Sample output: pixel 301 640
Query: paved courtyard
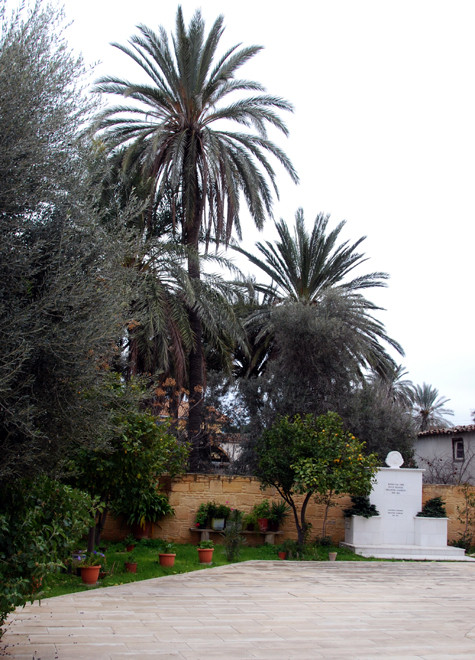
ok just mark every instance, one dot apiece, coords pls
pixel 271 609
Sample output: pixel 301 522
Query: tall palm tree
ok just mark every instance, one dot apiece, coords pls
pixel 428 407
pixel 176 132
pixel 313 269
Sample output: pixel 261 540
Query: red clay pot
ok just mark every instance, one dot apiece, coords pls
pixel 131 566
pixel 205 555
pixel 166 559
pixel 90 574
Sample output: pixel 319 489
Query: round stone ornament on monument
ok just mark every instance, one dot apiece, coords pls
pixel 394 459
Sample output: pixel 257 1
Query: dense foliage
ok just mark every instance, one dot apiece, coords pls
pixel 41 522
pixel 313 456
pixel 126 474
pixel 63 290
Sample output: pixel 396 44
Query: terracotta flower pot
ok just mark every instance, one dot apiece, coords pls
pixel 205 555
pixel 90 574
pixel 130 547
pixel 131 566
pixel 263 524
pixel 332 556
pixel 166 558
pixel 282 555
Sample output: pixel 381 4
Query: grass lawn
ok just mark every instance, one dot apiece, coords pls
pixel 186 560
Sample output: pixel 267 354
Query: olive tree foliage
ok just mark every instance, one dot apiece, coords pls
pixel 384 423
pixel 63 293
pixel 313 456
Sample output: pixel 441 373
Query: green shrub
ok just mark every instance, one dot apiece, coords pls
pixel 279 512
pixel 262 509
pixel 361 506
pixel 233 539
pixel 41 522
pixel 433 508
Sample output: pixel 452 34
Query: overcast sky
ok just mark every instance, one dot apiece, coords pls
pixel 383 136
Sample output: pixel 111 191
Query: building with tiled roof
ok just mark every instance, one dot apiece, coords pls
pixel 447 454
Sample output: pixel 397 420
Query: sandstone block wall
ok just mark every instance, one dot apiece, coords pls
pixel 188 491
pixel 453 498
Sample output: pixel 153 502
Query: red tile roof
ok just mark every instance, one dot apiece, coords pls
pixel 452 430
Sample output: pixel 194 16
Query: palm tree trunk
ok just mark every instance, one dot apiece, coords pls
pixel 196 367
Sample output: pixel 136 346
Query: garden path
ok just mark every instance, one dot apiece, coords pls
pixel 262 609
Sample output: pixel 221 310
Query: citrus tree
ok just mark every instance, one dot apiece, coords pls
pixel 313 456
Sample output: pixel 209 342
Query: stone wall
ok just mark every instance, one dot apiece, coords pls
pixel 453 498
pixel 188 491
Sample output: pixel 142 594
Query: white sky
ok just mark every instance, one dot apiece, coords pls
pixel 383 135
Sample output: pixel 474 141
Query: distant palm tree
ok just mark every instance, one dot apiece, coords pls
pixel 313 269
pixel 176 133
pixel 428 408
pixel 393 386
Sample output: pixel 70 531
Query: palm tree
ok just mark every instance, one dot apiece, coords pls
pixel 176 133
pixel 313 269
pixel 304 266
pixel 428 407
pixel 391 384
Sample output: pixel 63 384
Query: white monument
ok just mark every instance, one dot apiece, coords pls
pixel 397 532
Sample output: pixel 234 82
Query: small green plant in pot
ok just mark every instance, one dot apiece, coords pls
pixel 205 552
pixel 202 515
pixel 166 554
pixel 90 565
pixel 131 562
pixel 129 542
pixel 218 513
pixel 278 513
pixel 249 521
pixel 262 511
pixel 288 549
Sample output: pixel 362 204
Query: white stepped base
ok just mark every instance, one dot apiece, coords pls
pixel 414 552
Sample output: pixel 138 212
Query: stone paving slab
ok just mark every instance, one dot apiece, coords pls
pixel 259 610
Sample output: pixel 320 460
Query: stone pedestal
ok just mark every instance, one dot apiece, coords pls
pixel 397 532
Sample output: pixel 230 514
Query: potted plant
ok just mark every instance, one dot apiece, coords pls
pixel 249 521
pixel 287 549
pixel 90 565
pixel 202 515
pixel 131 562
pixel 142 509
pixel 262 512
pixel 218 514
pixel 129 542
pixel 205 552
pixel 166 556
pixel 278 513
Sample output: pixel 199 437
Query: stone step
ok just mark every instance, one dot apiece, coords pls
pixel 414 552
